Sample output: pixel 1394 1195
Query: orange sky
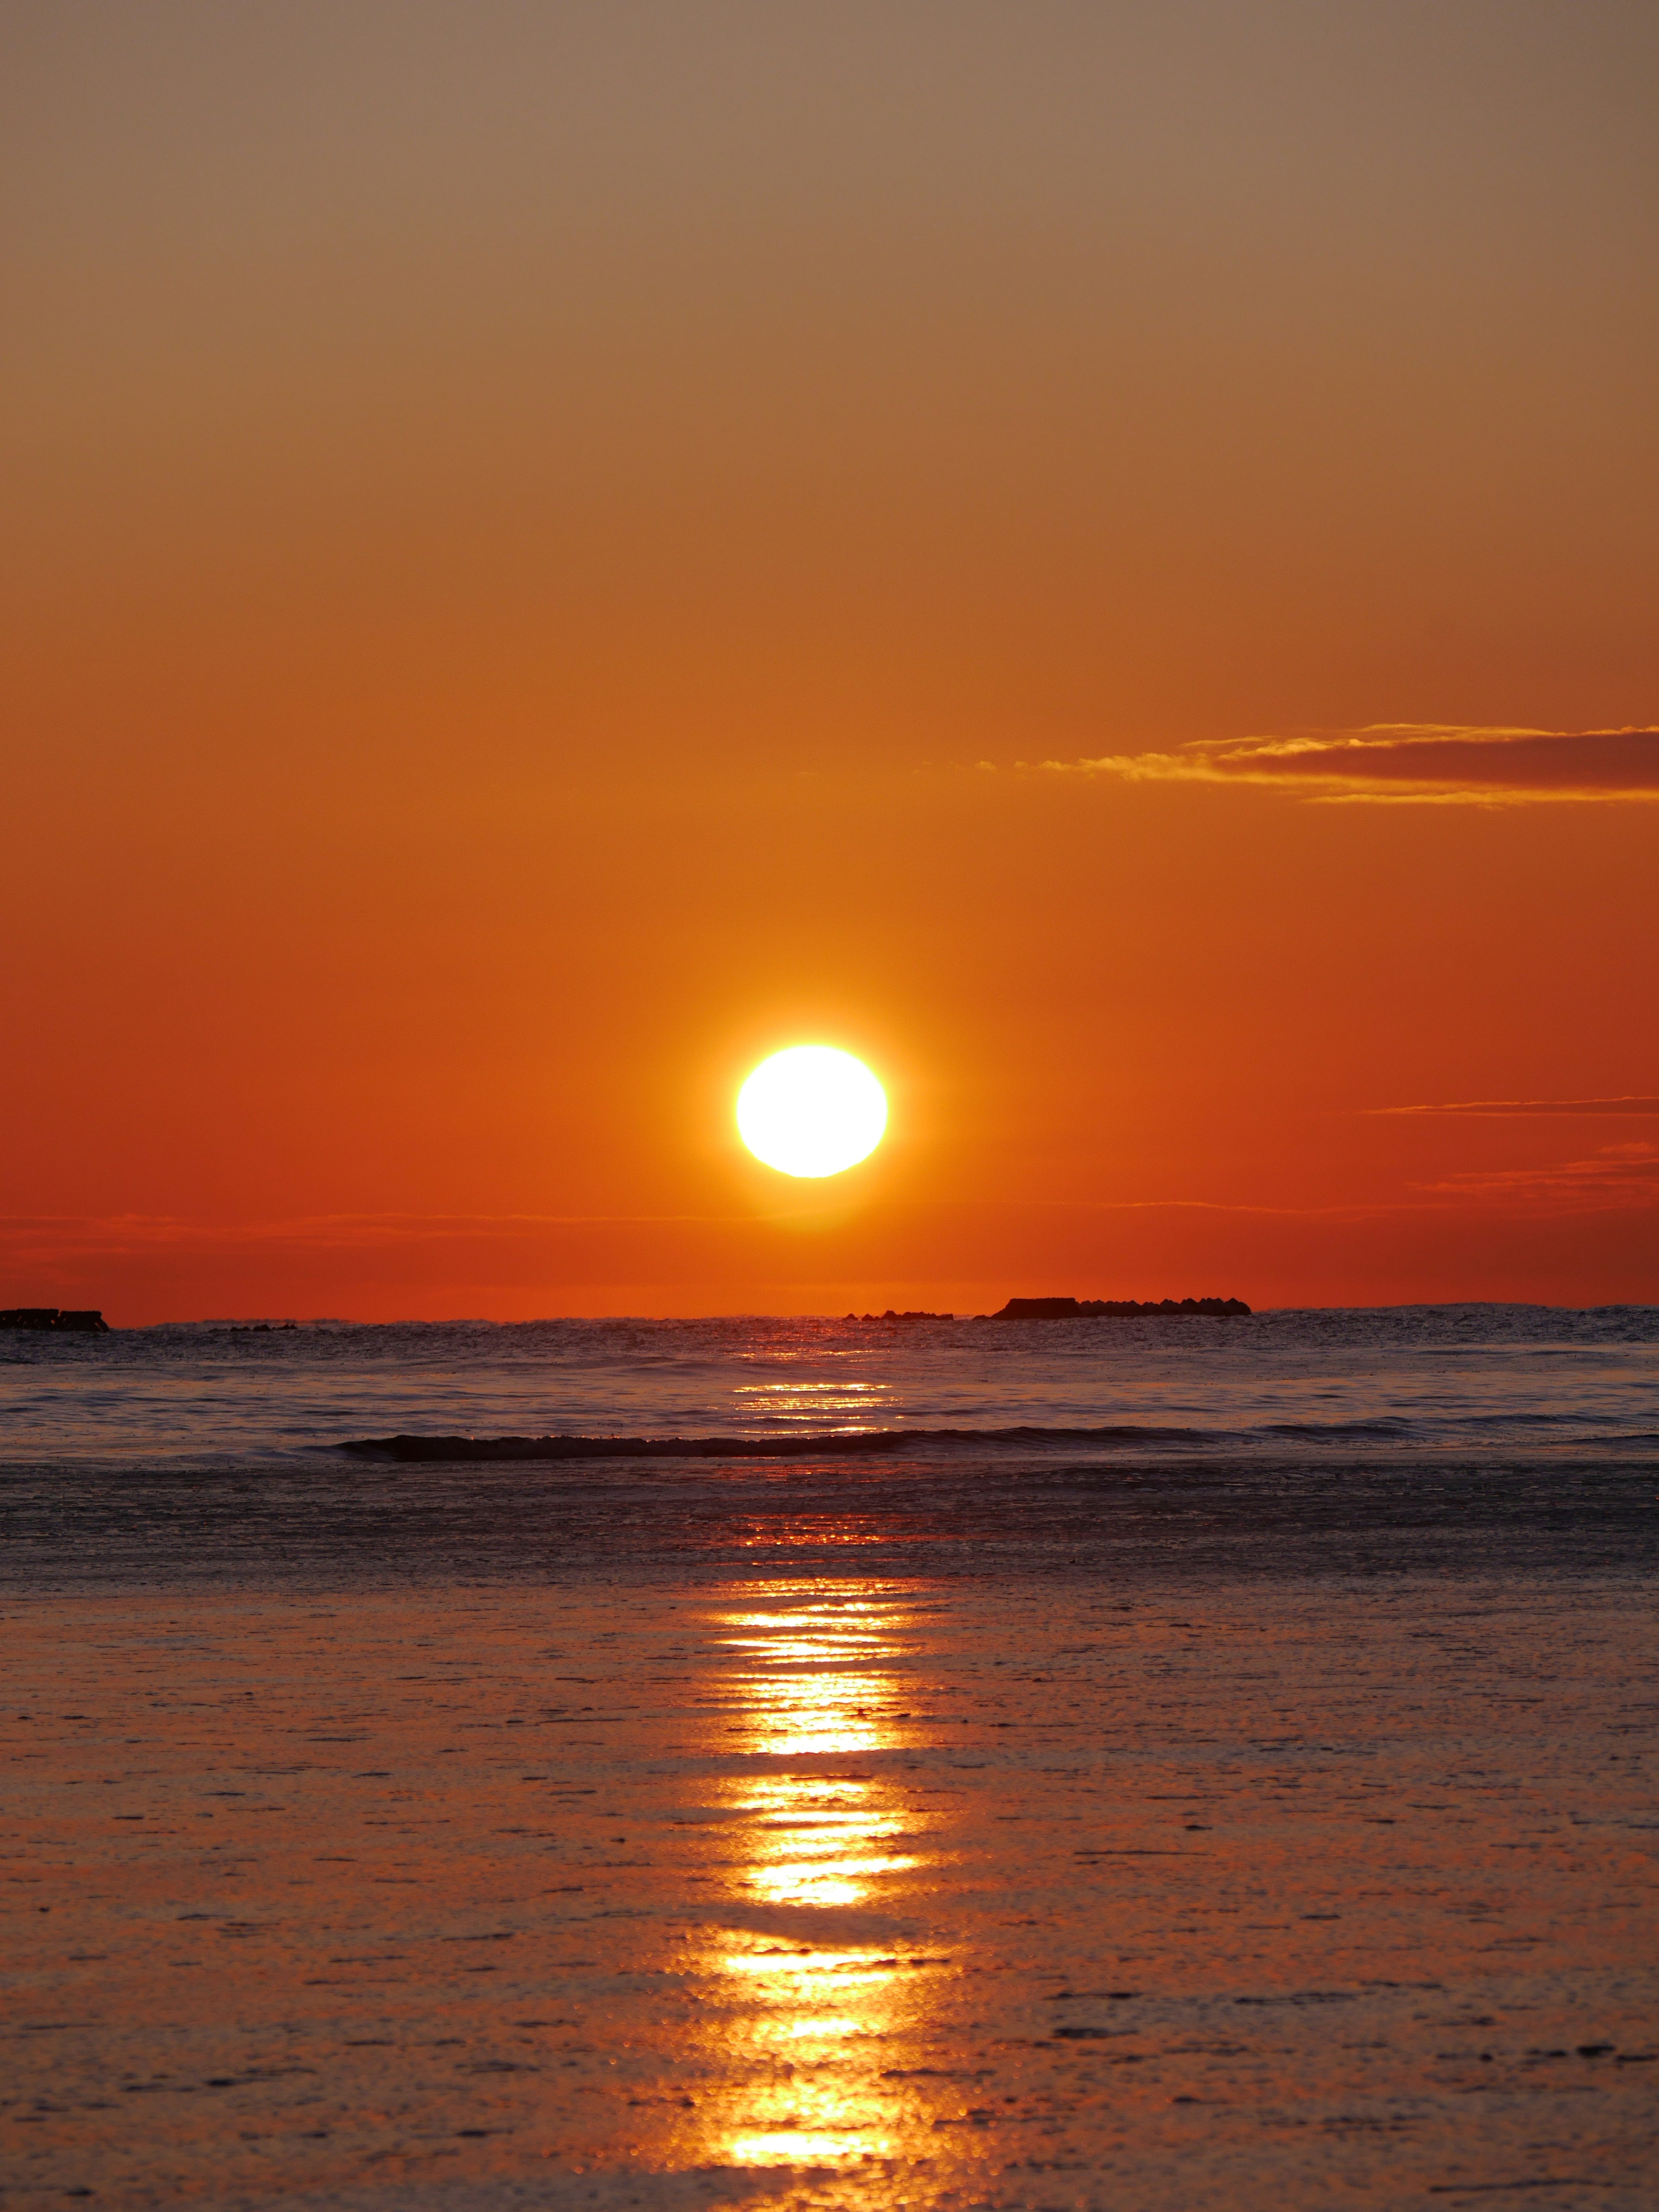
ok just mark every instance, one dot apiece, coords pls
pixel 553 549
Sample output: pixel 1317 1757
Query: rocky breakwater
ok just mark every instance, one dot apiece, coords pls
pixel 1118 1310
pixel 87 1322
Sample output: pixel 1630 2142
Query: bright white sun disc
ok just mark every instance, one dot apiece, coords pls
pixel 812 1111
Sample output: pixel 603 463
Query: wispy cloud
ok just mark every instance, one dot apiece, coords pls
pixel 1618 1175
pixel 1501 1107
pixel 82 1234
pixel 1413 763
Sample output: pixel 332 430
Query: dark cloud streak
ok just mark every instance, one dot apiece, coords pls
pixel 1510 1106
pixel 1413 763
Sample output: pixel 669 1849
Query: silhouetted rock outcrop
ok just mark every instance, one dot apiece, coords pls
pixel 890 1315
pixel 84 1323
pixel 1117 1309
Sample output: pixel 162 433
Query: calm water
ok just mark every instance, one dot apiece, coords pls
pixel 1407 1381
pixel 1214 1769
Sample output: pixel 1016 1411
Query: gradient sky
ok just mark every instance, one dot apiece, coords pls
pixel 1103 557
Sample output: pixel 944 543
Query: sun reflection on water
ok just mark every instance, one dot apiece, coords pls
pixel 820 1826
pixel 840 1405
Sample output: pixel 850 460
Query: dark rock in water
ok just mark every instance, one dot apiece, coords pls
pixel 87 1322
pixel 1117 1309
pixel 890 1315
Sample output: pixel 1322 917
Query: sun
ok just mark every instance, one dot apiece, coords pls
pixel 812 1111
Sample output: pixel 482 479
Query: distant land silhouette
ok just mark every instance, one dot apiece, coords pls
pixel 89 1322
pixel 86 1323
pixel 1083 1309
pixel 1115 1309
pixel 890 1315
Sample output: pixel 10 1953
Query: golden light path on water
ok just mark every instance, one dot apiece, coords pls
pixel 845 1892
pixel 816 1830
pixel 838 1404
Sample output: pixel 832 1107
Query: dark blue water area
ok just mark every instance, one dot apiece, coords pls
pixel 1409 1380
pixel 1456 1440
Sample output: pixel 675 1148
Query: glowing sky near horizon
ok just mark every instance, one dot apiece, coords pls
pixel 1103 557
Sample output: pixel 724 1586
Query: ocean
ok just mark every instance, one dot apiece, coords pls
pixel 1431 1379
pixel 1096 1763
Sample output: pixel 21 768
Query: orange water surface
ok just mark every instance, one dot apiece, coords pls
pixel 833 1892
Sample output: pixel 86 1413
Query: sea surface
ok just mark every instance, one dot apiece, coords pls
pixel 1132 1764
pixel 1403 1380
pixel 1363 1439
